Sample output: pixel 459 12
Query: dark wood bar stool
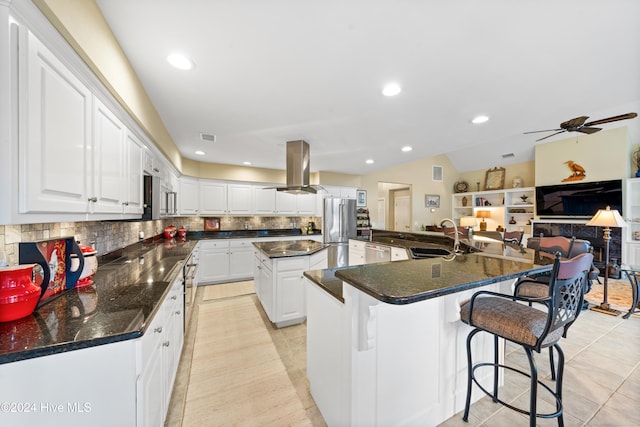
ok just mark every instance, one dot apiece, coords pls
pixel 510 317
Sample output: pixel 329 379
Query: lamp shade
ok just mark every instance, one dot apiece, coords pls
pixel 607 218
pixel 483 214
pixel 467 221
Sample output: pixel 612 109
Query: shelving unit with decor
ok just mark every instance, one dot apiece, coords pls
pixel 631 211
pixel 520 207
pixel 502 205
pixel 363 223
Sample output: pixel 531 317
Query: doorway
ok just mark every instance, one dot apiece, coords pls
pixel 394 206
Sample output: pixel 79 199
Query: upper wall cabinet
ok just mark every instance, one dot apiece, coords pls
pixel 188 196
pixel 54 133
pixel 75 155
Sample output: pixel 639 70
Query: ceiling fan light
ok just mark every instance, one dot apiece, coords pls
pixel 180 61
pixel 479 119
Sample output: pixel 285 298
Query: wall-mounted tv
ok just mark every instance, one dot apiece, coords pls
pixel 580 200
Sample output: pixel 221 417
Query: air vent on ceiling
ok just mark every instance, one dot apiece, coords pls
pixel 207 137
pixel 506 156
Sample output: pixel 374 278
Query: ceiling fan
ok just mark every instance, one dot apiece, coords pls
pixel 578 125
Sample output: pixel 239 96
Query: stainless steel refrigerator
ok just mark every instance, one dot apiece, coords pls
pixel 338 226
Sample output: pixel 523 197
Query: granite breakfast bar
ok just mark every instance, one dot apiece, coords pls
pixel 384 342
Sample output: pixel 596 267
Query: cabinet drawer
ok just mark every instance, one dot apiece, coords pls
pixel 214 244
pixel 240 244
pixel 293 263
pixel 152 337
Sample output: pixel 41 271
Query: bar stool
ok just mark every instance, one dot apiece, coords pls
pixel 505 316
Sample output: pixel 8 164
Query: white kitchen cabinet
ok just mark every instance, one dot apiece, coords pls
pixel 282 286
pixel 188 196
pixel 134 181
pixel 285 203
pixel 108 161
pixel 356 252
pixel 264 200
pixel 239 199
pixel 55 133
pixel 213 263
pixel 338 191
pixel 306 204
pixel 240 259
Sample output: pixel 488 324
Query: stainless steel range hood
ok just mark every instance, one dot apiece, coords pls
pixel 298 168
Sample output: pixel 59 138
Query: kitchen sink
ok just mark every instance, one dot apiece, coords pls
pixel 418 252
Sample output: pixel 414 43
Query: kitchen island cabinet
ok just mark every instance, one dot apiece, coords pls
pixel 279 280
pixel 385 345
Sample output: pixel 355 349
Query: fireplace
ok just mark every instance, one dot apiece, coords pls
pixel 592 234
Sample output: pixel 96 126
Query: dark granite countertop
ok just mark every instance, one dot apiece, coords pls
pixel 404 282
pixel 128 287
pixel 288 248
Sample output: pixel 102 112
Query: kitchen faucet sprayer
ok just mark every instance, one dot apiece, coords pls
pixel 456 243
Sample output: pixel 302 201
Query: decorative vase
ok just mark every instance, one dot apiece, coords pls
pixel 512 220
pixel 464 201
pixel 638 173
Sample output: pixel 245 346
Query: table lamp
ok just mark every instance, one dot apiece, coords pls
pixel 483 215
pixel 606 218
pixel 468 221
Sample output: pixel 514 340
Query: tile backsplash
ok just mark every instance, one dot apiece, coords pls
pixel 107 236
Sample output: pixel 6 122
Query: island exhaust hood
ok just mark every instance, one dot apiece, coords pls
pixel 298 168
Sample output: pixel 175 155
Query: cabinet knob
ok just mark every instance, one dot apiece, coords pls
pixel 125 203
pixel 158 330
pixel 178 312
pixel 165 344
pixel 93 199
pixel 174 297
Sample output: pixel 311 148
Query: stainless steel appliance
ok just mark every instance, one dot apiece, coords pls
pixel 375 253
pixel 158 200
pixel 338 226
pixel 189 275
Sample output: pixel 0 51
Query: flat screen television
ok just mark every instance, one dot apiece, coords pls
pixel 581 200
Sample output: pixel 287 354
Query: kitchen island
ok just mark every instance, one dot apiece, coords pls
pixel 278 277
pixel 385 345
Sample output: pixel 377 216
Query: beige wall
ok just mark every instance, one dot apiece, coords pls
pixel 604 155
pixel 418 175
pixel 525 171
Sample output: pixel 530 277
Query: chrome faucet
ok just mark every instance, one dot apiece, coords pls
pixel 456 243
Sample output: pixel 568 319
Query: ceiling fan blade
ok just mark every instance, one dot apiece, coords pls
pixel 537 131
pixel 574 123
pixel 549 136
pixel 613 119
pixel 588 130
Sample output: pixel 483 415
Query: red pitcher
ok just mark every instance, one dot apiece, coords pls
pixel 19 295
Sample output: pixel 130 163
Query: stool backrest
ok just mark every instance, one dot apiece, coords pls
pixel 566 289
pixel 554 244
pixel 512 237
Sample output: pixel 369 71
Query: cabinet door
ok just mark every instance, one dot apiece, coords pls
pixel 213 265
pixel 149 389
pixel 55 133
pixel 188 196
pixel 239 199
pixel 285 203
pixel 306 204
pixel 268 289
pixel 240 263
pixel 356 252
pixel 213 197
pixel 290 301
pixel 399 254
pixel 257 267
pixel 264 200
pixel 108 161
pixel 134 180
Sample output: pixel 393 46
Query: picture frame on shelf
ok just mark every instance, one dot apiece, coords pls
pixel 432 200
pixel 212 224
pixel 494 179
pixel 361 198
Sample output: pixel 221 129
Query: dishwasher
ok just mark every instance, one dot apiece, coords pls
pixel 376 253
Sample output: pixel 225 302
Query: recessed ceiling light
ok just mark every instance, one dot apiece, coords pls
pixel 200 153
pixel 369 161
pixel 180 61
pixel 246 163
pixel 479 119
pixel 391 89
pixel 407 148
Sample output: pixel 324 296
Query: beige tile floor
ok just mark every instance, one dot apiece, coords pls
pixel 601 385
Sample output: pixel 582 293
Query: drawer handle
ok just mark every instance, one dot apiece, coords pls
pixel 93 199
pixel 165 344
pixel 158 330
pixel 178 312
pixel 174 297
